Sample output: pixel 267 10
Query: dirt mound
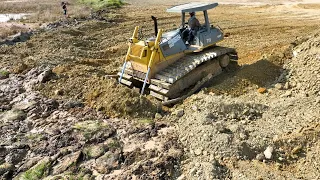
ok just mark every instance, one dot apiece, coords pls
pixel 247 136
pixel 117 100
pixel 102 94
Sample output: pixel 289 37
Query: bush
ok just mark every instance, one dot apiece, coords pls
pixel 100 4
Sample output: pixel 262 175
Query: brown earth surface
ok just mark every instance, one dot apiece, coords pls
pixel 221 131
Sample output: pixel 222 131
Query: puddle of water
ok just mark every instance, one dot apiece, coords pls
pixel 8 17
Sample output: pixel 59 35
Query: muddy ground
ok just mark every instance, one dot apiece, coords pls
pixel 60 102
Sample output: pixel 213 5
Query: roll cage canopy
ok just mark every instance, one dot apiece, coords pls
pixel 194 7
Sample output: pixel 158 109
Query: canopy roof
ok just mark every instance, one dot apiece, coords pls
pixel 192 7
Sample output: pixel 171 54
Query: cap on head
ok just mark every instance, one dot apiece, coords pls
pixel 191 13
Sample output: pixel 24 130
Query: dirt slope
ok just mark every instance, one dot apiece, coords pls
pixel 224 136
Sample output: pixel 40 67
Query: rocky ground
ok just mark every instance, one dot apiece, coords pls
pixel 63 115
pixel 43 137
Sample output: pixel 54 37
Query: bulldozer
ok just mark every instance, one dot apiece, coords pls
pixel 165 67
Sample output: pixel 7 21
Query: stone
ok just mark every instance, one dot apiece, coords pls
pixel 195 108
pixel 262 90
pixel 278 86
pixel 95 151
pixel 182 177
pixel 13 115
pixel 179 113
pixel 58 92
pixel 286 85
pixel 109 161
pixel 198 152
pixel 45 76
pixel 157 116
pixel 72 104
pixel 268 152
pixel 16 156
pixel 287 94
pixel 260 157
pixel 25 104
pixel 29 163
pixel 5 168
pixel 296 150
pixel 193 171
pixel 66 162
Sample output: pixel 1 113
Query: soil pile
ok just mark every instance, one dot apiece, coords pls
pixel 270 134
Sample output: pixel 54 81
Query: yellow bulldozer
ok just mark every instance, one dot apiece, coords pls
pixel 165 67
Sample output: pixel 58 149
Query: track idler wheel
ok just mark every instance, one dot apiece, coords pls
pixel 224 60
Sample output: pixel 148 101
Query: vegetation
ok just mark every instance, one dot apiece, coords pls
pixel 145 121
pixel 100 4
pixel 4 73
pixel 39 171
pixel 89 128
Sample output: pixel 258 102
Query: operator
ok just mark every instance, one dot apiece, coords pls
pixel 64 7
pixel 194 26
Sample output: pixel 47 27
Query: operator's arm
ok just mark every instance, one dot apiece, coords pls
pixel 197 22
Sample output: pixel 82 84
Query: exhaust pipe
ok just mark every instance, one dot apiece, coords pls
pixel 155 25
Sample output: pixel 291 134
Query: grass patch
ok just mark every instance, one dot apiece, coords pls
pixel 100 4
pixel 145 121
pixel 4 73
pixel 39 171
pixel 34 137
pixel 90 128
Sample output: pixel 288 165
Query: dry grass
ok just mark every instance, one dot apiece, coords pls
pixel 44 10
pixel 41 11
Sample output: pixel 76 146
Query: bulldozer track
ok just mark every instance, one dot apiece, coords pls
pixel 166 82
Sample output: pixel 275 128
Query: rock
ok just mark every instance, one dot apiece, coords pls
pixel 66 162
pixel 262 90
pixel 45 76
pixel 195 108
pixel 157 116
pixel 260 157
pixel 109 161
pixel 25 104
pixel 205 153
pixel 95 151
pixel 13 115
pixel 182 177
pixel 29 163
pixel 5 168
pixel 287 94
pixel 179 113
pixel 58 92
pixel 292 84
pixel 72 104
pixel 268 152
pixel 286 85
pixel 296 150
pixel 38 171
pixel 221 128
pixel 16 156
pixel 278 86
pixel 198 152
pixel 193 171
